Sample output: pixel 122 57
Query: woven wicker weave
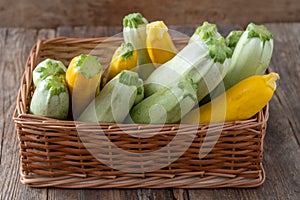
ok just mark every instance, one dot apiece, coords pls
pixel 52 152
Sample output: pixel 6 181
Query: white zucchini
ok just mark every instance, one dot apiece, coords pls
pixel 51 98
pixel 251 56
pixel 205 62
pixel 167 105
pixel 134 32
pixel 47 68
pixel 115 99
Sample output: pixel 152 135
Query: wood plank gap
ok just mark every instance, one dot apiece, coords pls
pixel 2 136
pixel 2 125
pixel 293 131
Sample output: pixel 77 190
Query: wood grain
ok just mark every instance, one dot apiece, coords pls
pixel 2 125
pixel 54 13
pixel 287 47
pixel 111 31
pixel 15 47
pixel 281 147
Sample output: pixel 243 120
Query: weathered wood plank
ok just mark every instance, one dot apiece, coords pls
pixel 104 31
pixel 180 194
pixel 155 194
pixel 14 49
pixel 188 30
pixel 90 194
pixel 282 148
pixel 82 31
pixel 113 194
pixel 45 33
pixel 40 14
pixel 226 194
pixel 88 31
pixel 3 33
pixel 287 64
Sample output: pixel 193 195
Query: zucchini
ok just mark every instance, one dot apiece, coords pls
pixel 51 98
pixel 47 68
pixel 115 100
pixel 167 105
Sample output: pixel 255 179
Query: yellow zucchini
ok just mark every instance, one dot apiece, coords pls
pixel 124 58
pixel 240 102
pixel 159 43
pixel 83 79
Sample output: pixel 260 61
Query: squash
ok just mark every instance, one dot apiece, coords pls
pixel 134 32
pixel 240 102
pixel 83 79
pixel 251 56
pixel 205 62
pixel 51 98
pixel 117 97
pixel 159 43
pixel 47 68
pixel 124 58
pixel 167 105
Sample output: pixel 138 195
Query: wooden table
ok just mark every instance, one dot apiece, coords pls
pixel 281 147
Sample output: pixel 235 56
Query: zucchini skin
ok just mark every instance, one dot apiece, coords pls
pixel 168 105
pixel 115 100
pixel 83 78
pixel 47 68
pixel 240 102
pixel 51 98
pixel 195 62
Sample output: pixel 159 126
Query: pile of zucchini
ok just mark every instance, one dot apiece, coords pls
pixel 150 81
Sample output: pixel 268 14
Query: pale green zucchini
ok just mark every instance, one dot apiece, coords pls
pixel 115 99
pixel 47 68
pixel 167 105
pixel 51 98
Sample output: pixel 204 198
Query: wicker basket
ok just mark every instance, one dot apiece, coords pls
pixel 53 154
